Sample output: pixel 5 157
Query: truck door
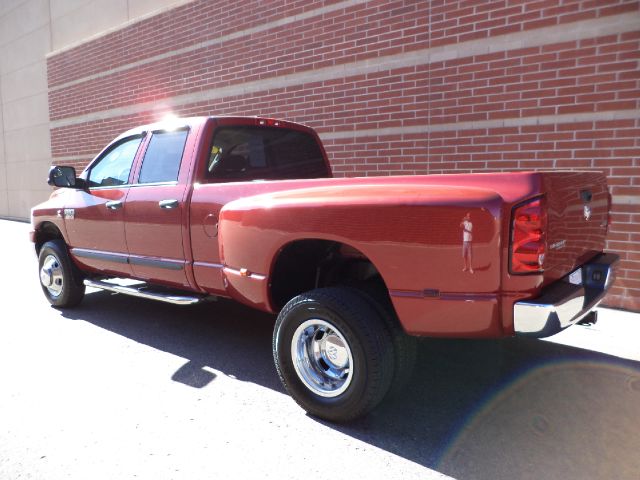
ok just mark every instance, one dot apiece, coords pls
pixel 94 217
pixel 155 212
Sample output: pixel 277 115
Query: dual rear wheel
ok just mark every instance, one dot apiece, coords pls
pixel 338 352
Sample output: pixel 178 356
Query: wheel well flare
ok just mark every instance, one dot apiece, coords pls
pixel 303 265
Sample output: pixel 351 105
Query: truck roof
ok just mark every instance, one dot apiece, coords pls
pixel 172 122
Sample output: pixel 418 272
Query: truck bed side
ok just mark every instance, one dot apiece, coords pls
pixel 412 235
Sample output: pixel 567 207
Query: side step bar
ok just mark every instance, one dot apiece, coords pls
pixel 141 292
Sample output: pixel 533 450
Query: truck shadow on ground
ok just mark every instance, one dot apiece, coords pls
pixel 513 408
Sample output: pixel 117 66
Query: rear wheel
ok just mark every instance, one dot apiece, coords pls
pixel 59 279
pixel 333 353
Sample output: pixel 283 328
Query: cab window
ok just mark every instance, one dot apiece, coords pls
pixel 113 168
pixel 263 153
pixel 163 156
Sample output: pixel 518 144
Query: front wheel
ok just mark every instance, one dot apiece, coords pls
pixel 59 279
pixel 333 353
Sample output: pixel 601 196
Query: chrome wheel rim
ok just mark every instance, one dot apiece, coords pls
pixel 322 358
pixel 51 276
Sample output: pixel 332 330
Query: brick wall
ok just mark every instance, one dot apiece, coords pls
pixel 409 87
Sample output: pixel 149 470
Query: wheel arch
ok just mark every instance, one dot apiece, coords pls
pixel 45 232
pixel 304 264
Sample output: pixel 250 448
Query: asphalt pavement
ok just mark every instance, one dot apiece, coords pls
pixel 125 388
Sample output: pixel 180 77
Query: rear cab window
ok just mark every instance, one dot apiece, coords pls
pixel 161 163
pixel 246 153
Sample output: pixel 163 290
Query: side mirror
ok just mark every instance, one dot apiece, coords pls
pixel 65 177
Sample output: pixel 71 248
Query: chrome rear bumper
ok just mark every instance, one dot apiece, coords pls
pixel 563 303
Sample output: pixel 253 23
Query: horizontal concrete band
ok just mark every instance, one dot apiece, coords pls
pixel 461 126
pixel 209 43
pixel 626 199
pixel 614 24
pixel 506 122
pixel 481 124
pixel 117 28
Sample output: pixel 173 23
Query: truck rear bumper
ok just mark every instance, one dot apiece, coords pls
pixel 567 301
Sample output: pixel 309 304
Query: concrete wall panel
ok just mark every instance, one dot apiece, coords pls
pixel 25 51
pixel 4 201
pixel 29 144
pixel 60 8
pixel 26 112
pixel 89 19
pixel 4 205
pixel 21 201
pixel 6 6
pixel 23 19
pixel 139 8
pixel 27 176
pixel 25 82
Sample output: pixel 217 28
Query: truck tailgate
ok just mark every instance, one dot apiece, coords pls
pixel 577 208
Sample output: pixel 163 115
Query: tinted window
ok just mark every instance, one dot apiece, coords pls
pixel 114 166
pixel 251 153
pixel 162 159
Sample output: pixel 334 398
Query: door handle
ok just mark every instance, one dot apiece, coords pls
pixel 168 203
pixel 114 205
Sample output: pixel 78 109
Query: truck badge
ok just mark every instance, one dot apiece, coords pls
pixel 332 353
pixel 587 212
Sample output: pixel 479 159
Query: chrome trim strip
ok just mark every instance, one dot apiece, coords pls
pixel 134 292
pixel 436 294
pixel 171 183
pixel 124 258
pixel 156 263
pixel 562 304
pixel 414 293
pixel 96 255
pixel 207 265
pixel 469 297
pixel 109 187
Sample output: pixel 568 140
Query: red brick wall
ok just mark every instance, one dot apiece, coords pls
pixel 393 87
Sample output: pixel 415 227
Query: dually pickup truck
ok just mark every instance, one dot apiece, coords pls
pixel 356 268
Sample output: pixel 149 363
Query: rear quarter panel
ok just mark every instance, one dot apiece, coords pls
pixel 412 235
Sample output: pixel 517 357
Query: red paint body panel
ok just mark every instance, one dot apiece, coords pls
pixel 97 228
pixel 410 233
pixel 420 232
pixel 49 213
pixel 446 318
pixel 156 233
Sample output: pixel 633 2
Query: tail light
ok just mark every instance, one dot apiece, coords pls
pixel 528 237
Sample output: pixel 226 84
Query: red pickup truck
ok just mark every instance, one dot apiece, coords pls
pixel 356 268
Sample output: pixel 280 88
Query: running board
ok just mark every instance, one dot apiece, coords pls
pixel 140 292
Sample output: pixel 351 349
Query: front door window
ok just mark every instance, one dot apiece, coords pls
pixel 115 165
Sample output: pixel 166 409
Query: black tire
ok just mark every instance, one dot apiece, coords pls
pixel 405 347
pixel 368 341
pixel 66 289
pixel 406 351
